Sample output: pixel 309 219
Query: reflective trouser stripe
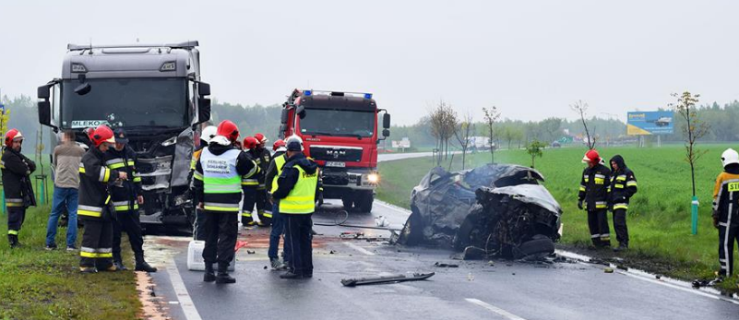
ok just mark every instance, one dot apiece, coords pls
pixel 267 215
pixel 223 207
pixel 13 232
pixel 620 206
pixel 601 205
pixel 86 252
pixel 90 211
pixel 125 208
pixel 246 214
pixel 14 202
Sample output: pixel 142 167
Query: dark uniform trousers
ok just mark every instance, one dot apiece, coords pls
pixel 727 235
pixel 299 239
pixel 221 230
pixel 598 225
pixel 16 217
pixel 97 243
pixel 251 198
pixel 127 221
pixel 619 225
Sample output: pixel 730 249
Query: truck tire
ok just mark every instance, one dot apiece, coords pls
pixel 347 202
pixel 364 202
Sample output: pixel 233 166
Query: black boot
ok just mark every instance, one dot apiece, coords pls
pixel 119 265
pixel 13 240
pixel 210 275
pixel 141 264
pixel 223 276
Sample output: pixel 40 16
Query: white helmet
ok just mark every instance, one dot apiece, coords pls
pixel 729 156
pixel 208 133
pixel 292 141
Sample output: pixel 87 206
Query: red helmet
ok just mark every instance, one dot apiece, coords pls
pixel 250 143
pixel 591 156
pixel 278 144
pixel 261 138
pixel 12 135
pixel 102 134
pixel 229 130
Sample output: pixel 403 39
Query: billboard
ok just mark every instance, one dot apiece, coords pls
pixel 641 123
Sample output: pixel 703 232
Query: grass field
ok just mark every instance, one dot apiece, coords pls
pixel 40 284
pixel 659 215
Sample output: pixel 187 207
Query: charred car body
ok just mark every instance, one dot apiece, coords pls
pixel 494 210
pixel 154 92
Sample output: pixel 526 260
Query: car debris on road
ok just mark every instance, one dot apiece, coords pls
pixel 386 279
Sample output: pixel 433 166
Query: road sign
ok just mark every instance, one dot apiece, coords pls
pixel 650 123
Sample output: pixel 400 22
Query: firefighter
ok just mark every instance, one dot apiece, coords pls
pixel 206 135
pixel 218 178
pixel 726 212
pixel 16 169
pixel 126 197
pixel 265 157
pixel 297 187
pixel 594 185
pixel 278 222
pixel 95 207
pixel 622 188
pixel 250 185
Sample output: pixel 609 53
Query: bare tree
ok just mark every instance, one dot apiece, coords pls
pixel 491 116
pixel 693 129
pixel 582 109
pixel 443 120
pixel 462 131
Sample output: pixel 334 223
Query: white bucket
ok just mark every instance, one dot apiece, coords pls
pixel 195 257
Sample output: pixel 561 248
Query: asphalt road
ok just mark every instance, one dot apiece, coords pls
pixel 473 290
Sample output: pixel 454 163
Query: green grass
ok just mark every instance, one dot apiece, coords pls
pixel 40 284
pixel 659 215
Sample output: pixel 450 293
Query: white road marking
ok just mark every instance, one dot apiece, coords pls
pixel 494 309
pixel 358 248
pixel 188 307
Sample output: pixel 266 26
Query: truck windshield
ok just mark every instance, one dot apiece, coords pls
pixel 129 102
pixel 338 122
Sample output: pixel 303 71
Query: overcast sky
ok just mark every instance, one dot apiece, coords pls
pixel 530 58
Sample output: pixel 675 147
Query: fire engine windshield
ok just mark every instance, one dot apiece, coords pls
pixel 333 122
pixel 129 102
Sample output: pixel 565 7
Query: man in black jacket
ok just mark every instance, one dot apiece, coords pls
pixel 623 187
pixel 594 184
pixel 16 169
pixel 126 196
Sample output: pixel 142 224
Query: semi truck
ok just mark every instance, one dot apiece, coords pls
pixel 340 132
pixel 154 93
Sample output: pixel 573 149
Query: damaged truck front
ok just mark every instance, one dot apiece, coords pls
pixel 153 92
pixel 494 210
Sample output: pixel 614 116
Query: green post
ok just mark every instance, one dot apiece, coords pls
pixel 695 215
pixel 2 195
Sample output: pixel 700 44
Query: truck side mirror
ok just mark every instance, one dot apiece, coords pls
pixel 386 122
pixel 44 92
pixel 203 110
pixel 203 89
pixel 301 112
pixel 283 117
pixel 281 134
pixel 44 106
pixel 386 133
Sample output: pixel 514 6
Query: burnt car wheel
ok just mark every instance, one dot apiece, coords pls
pixel 538 245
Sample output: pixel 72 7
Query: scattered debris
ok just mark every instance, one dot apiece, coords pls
pixel 659 277
pixel 608 270
pixel 331 252
pixel 496 209
pixel 446 265
pixel 360 236
pixel 491 263
pixel 470 277
pixel 250 252
pixel 622 267
pixel 386 279
pixel 381 221
pixel 265 267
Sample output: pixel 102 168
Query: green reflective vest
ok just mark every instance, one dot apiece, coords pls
pixel 279 162
pixel 302 198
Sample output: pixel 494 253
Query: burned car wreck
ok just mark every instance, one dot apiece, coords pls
pixel 496 210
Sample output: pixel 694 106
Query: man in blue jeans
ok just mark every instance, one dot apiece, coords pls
pixel 278 221
pixel 67 158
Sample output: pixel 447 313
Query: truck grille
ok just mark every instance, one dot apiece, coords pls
pixel 336 153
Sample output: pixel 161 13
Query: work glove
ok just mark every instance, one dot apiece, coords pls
pixel 579 204
pixel 715 219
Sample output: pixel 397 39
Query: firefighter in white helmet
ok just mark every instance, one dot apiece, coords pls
pixel 726 211
pixel 206 135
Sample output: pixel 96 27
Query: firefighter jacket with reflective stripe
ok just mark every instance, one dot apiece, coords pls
pixel 218 177
pixel 95 178
pixel 726 198
pixel 251 179
pixel 297 186
pixel 255 180
pixel 16 169
pixel 622 188
pixel 274 170
pixel 124 193
pixel 594 187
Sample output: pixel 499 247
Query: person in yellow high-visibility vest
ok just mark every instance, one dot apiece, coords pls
pixel 296 191
pixel 278 222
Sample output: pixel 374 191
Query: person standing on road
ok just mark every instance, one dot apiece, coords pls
pixel 95 207
pixel 297 187
pixel 726 211
pixel 126 197
pixel 250 184
pixel 16 169
pixel 198 227
pixel 218 177
pixel 622 188
pixel 278 221
pixel 67 158
pixel 594 185
pixel 265 157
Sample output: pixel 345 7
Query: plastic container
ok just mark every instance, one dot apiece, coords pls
pixel 195 257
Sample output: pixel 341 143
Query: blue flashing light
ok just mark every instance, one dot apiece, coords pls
pixel 368 96
pixel 307 92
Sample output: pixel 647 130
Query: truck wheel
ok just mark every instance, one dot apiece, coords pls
pixel 364 202
pixel 347 202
